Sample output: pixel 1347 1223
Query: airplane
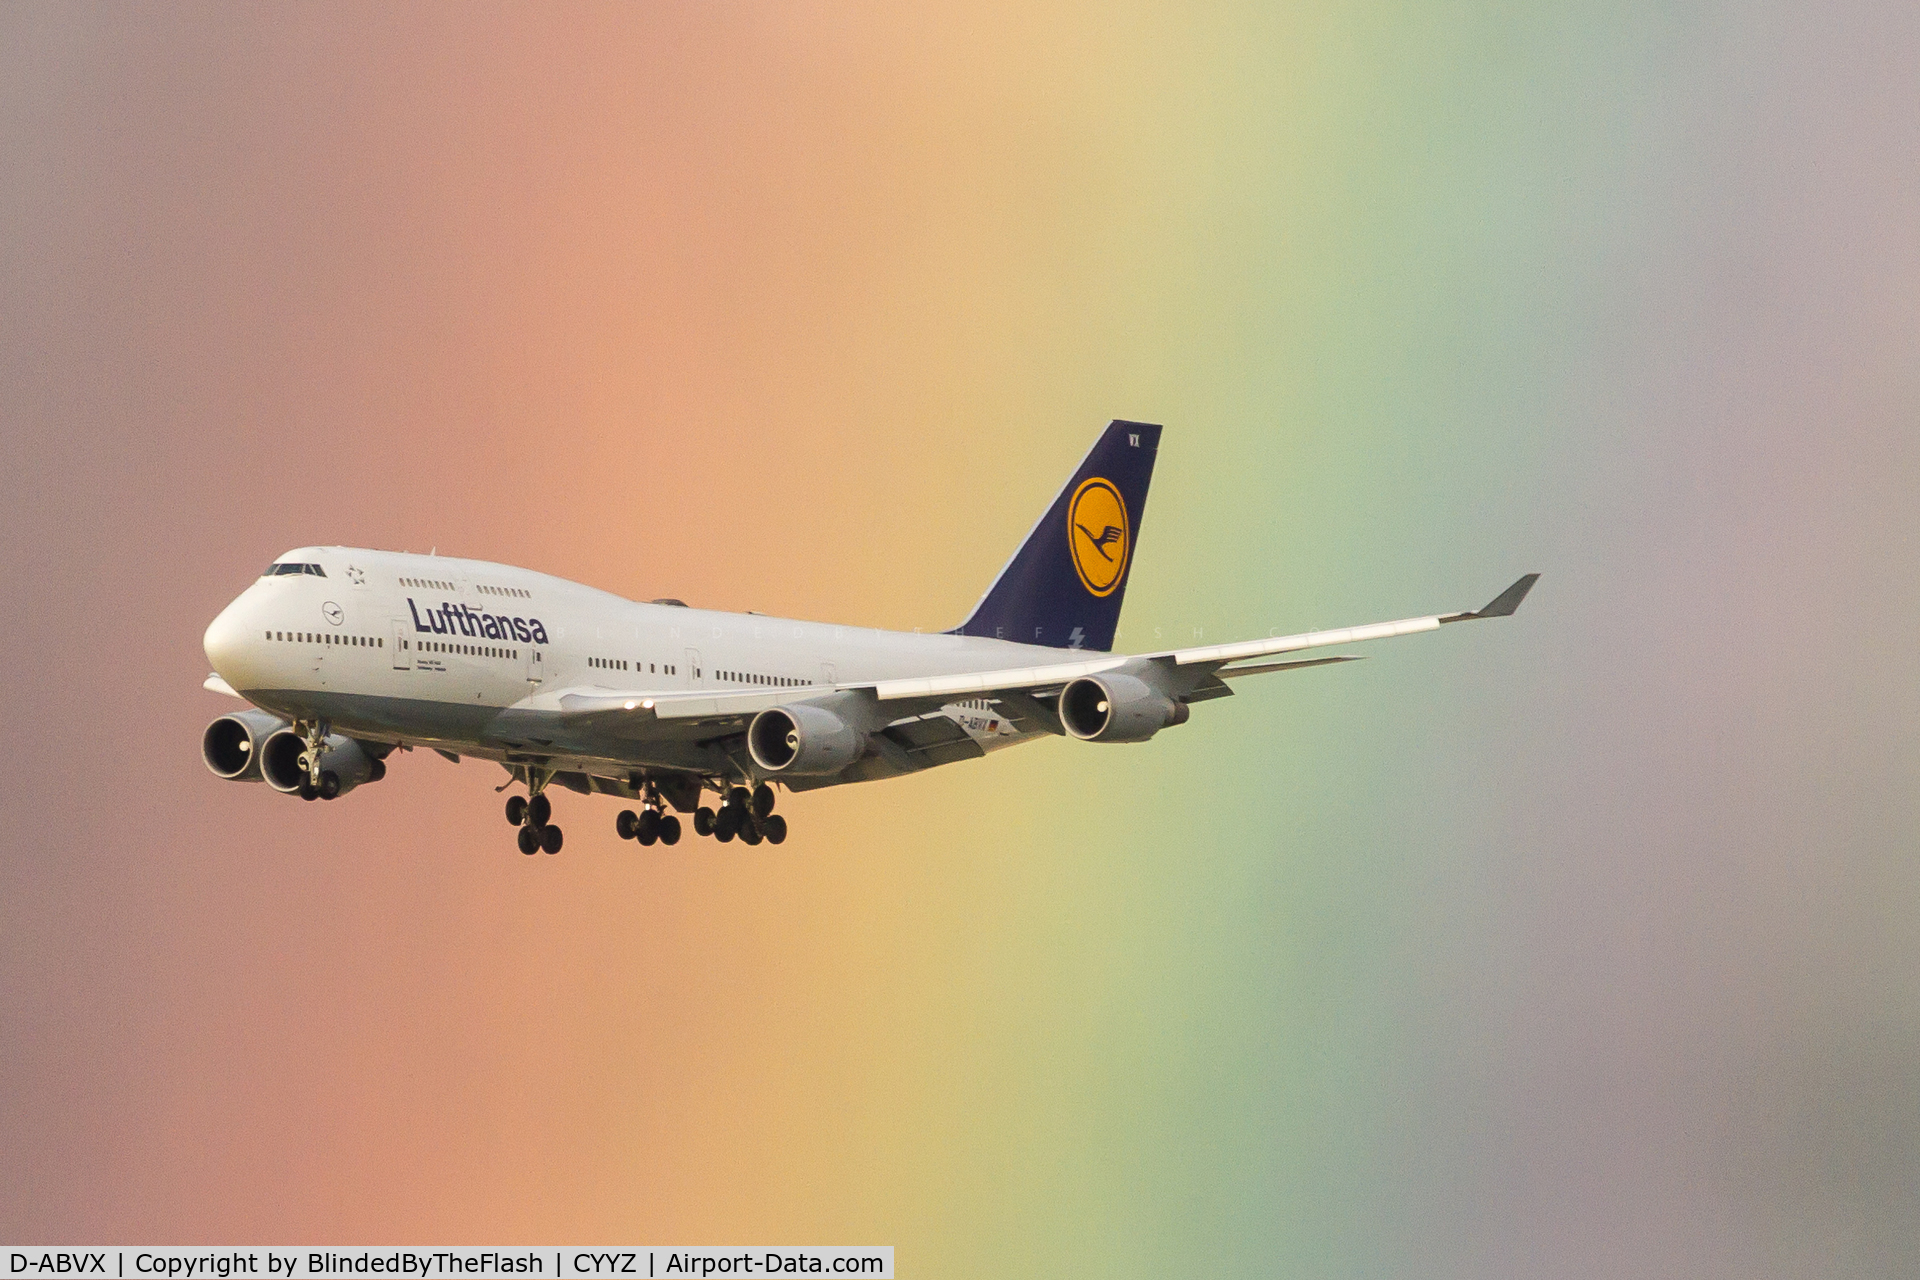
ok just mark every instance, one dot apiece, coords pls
pixel 348 654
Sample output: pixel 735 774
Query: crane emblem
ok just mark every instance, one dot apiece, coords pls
pixel 1097 535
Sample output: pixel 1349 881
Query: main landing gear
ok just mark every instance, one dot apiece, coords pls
pixel 651 823
pixel 749 816
pixel 533 816
pixel 744 815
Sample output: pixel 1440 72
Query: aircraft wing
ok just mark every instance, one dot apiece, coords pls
pixel 1192 674
pixel 1192 667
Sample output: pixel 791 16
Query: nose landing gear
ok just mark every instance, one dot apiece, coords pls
pixel 319 784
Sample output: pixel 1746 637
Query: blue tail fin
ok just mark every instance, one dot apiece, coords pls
pixel 1064 585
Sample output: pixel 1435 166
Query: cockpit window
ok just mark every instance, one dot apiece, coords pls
pixel 279 570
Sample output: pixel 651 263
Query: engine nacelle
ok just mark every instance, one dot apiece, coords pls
pixel 344 764
pixel 231 745
pixel 1117 708
pixel 803 740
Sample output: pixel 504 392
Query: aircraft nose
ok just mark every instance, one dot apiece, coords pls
pixel 226 641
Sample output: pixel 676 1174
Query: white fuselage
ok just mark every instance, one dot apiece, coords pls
pixel 408 648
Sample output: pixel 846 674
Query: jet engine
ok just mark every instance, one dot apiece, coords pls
pixel 231 744
pixel 803 740
pixel 1117 708
pixel 344 765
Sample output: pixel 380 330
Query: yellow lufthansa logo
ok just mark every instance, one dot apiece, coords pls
pixel 1097 532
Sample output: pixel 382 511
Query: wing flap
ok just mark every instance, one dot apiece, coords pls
pixel 934 739
pixel 1262 668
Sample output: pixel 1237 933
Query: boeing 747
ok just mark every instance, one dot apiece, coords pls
pixel 347 655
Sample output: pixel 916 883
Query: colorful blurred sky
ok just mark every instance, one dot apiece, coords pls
pixel 1583 944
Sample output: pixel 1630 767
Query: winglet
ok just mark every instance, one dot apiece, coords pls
pixel 1502 605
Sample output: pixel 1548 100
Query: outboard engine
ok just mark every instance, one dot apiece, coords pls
pixel 231 745
pixel 803 741
pixel 1117 708
pixel 344 765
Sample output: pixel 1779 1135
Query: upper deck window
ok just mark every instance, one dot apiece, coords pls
pixel 279 570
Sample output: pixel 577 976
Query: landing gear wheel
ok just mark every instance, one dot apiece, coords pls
pixel 762 800
pixel 749 834
pixel 550 839
pixel 774 828
pixel 308 791
pixel 703 821
pixel 540 809
pixel 738 798
pixel 669 830
pixel 329 785
pixel 624 824
pixel 647 828
pixel 726 824
pixel 516 810
pixel 529 840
